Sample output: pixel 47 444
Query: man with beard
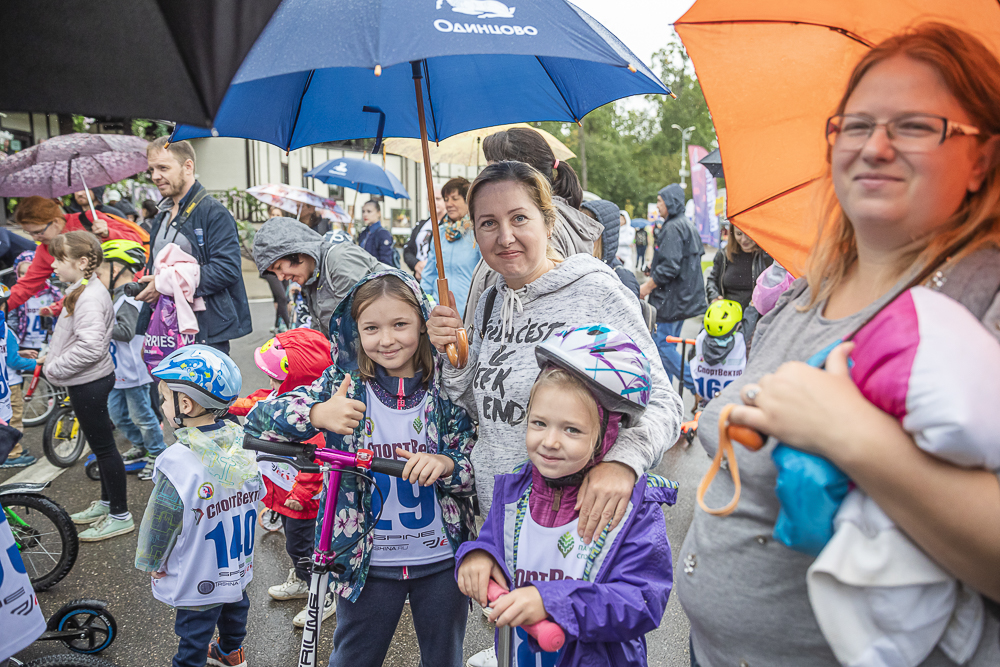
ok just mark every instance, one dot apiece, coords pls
pixel 205 229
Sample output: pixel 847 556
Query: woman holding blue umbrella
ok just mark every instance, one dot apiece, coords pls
pixel 458 245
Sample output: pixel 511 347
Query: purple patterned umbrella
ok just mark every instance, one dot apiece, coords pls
pixel 70 163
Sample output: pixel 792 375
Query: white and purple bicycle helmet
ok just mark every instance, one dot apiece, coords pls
pixel 608 361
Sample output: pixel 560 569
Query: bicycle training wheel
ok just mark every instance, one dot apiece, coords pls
pixel 44 535
pixel 41 404
pixel 91 618
pixel 63 439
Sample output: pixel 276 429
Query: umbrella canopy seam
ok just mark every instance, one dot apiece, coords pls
pixel 430 103
pixel 773 197
pixel 298 109
pixel 559 90
pixel 846 33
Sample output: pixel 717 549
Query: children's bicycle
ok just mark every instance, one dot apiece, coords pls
pixel 63 439
pixel 41 397
pixel 44 533
pixel 332 463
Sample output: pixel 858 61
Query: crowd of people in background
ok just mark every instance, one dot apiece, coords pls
pixel 571 366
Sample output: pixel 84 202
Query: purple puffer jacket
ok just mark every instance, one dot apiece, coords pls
pixel 606 619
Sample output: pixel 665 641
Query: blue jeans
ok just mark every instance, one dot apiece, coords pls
pixel 669 354
pixel 365 628
pixel 132 412
pixel 196 629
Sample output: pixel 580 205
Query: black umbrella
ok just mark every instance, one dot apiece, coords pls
pixel 169 59
pixel 713 162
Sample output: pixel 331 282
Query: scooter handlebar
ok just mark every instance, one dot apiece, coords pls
pixel 547 633
pixel 275 448
pixel 390 467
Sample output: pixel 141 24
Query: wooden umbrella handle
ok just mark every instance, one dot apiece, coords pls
pixel 458 353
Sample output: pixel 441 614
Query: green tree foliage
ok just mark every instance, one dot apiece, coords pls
pixel 633 152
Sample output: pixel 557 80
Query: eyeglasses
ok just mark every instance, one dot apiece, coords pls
pixel 38 233
pixel 909 133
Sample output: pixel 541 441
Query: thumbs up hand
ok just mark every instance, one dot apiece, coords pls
pixel 340 414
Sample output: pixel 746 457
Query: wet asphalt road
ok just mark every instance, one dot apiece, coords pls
pixel 105 570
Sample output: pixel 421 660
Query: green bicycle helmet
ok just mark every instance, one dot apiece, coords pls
pixel 130 253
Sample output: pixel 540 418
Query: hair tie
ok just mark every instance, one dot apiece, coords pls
pixel 556 165
pixel 83 282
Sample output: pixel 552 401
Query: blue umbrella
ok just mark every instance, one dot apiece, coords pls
pixel 472 63
pixel 360 175
pixel 483 63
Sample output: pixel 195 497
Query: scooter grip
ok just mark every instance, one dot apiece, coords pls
pixel 549 635
pixel 390 467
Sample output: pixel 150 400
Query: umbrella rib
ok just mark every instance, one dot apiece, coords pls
pixel 558 89
pixel 298 109
pixel 430 103
pixel 772 198
pixel 842 31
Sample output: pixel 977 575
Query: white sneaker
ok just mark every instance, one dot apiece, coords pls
pixel 293 588
pixel 329 609
pixel 487 658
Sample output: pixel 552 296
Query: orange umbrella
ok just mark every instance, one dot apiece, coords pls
pixel 772 72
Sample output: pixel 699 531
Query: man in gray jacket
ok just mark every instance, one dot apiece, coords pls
pixel 326 267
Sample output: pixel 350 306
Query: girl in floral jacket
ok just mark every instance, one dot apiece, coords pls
pixel 384 393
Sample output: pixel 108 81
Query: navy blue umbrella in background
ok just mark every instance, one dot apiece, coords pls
pixel 323 71
pixel 360 175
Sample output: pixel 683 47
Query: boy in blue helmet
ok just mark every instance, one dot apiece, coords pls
pixel 197 535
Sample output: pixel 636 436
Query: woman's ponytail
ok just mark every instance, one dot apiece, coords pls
pixel 74 246
pixel 524 144
pixel 565 184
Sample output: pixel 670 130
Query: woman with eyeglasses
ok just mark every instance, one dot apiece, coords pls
pixel 914 198
pixel 43 220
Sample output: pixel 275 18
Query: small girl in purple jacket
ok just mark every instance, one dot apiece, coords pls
pixel 606 595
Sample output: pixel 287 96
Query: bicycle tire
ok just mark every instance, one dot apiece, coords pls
pixel 87 615
pixel 29 539
pixel 70 660
pixel 41 404
pixel 59 454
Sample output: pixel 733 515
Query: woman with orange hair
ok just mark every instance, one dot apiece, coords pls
pixel 914 183
pixel 43 220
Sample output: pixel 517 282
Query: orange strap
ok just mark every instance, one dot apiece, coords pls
pixel 725 447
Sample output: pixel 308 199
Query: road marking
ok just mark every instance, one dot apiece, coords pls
pixel 261 300
pixel 42 471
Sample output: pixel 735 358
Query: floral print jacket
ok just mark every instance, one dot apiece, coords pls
pixel 449 432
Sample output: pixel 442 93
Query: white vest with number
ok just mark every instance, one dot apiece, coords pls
pixel 34 335
pixel 709 379
pixel 130 369
pixel 545 554
pixel 21 621
pixel 212 560
pixel 410 530
pixel 5 410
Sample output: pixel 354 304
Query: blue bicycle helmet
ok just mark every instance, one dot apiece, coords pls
pixel 208 377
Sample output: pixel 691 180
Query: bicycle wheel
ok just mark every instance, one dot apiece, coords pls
pixel 41 404
pixel 44 535
pixel 70 660
pixel 63 439
pixel 91 619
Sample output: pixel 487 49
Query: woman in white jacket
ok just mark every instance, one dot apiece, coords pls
pixel 537 295
pixel 80 359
